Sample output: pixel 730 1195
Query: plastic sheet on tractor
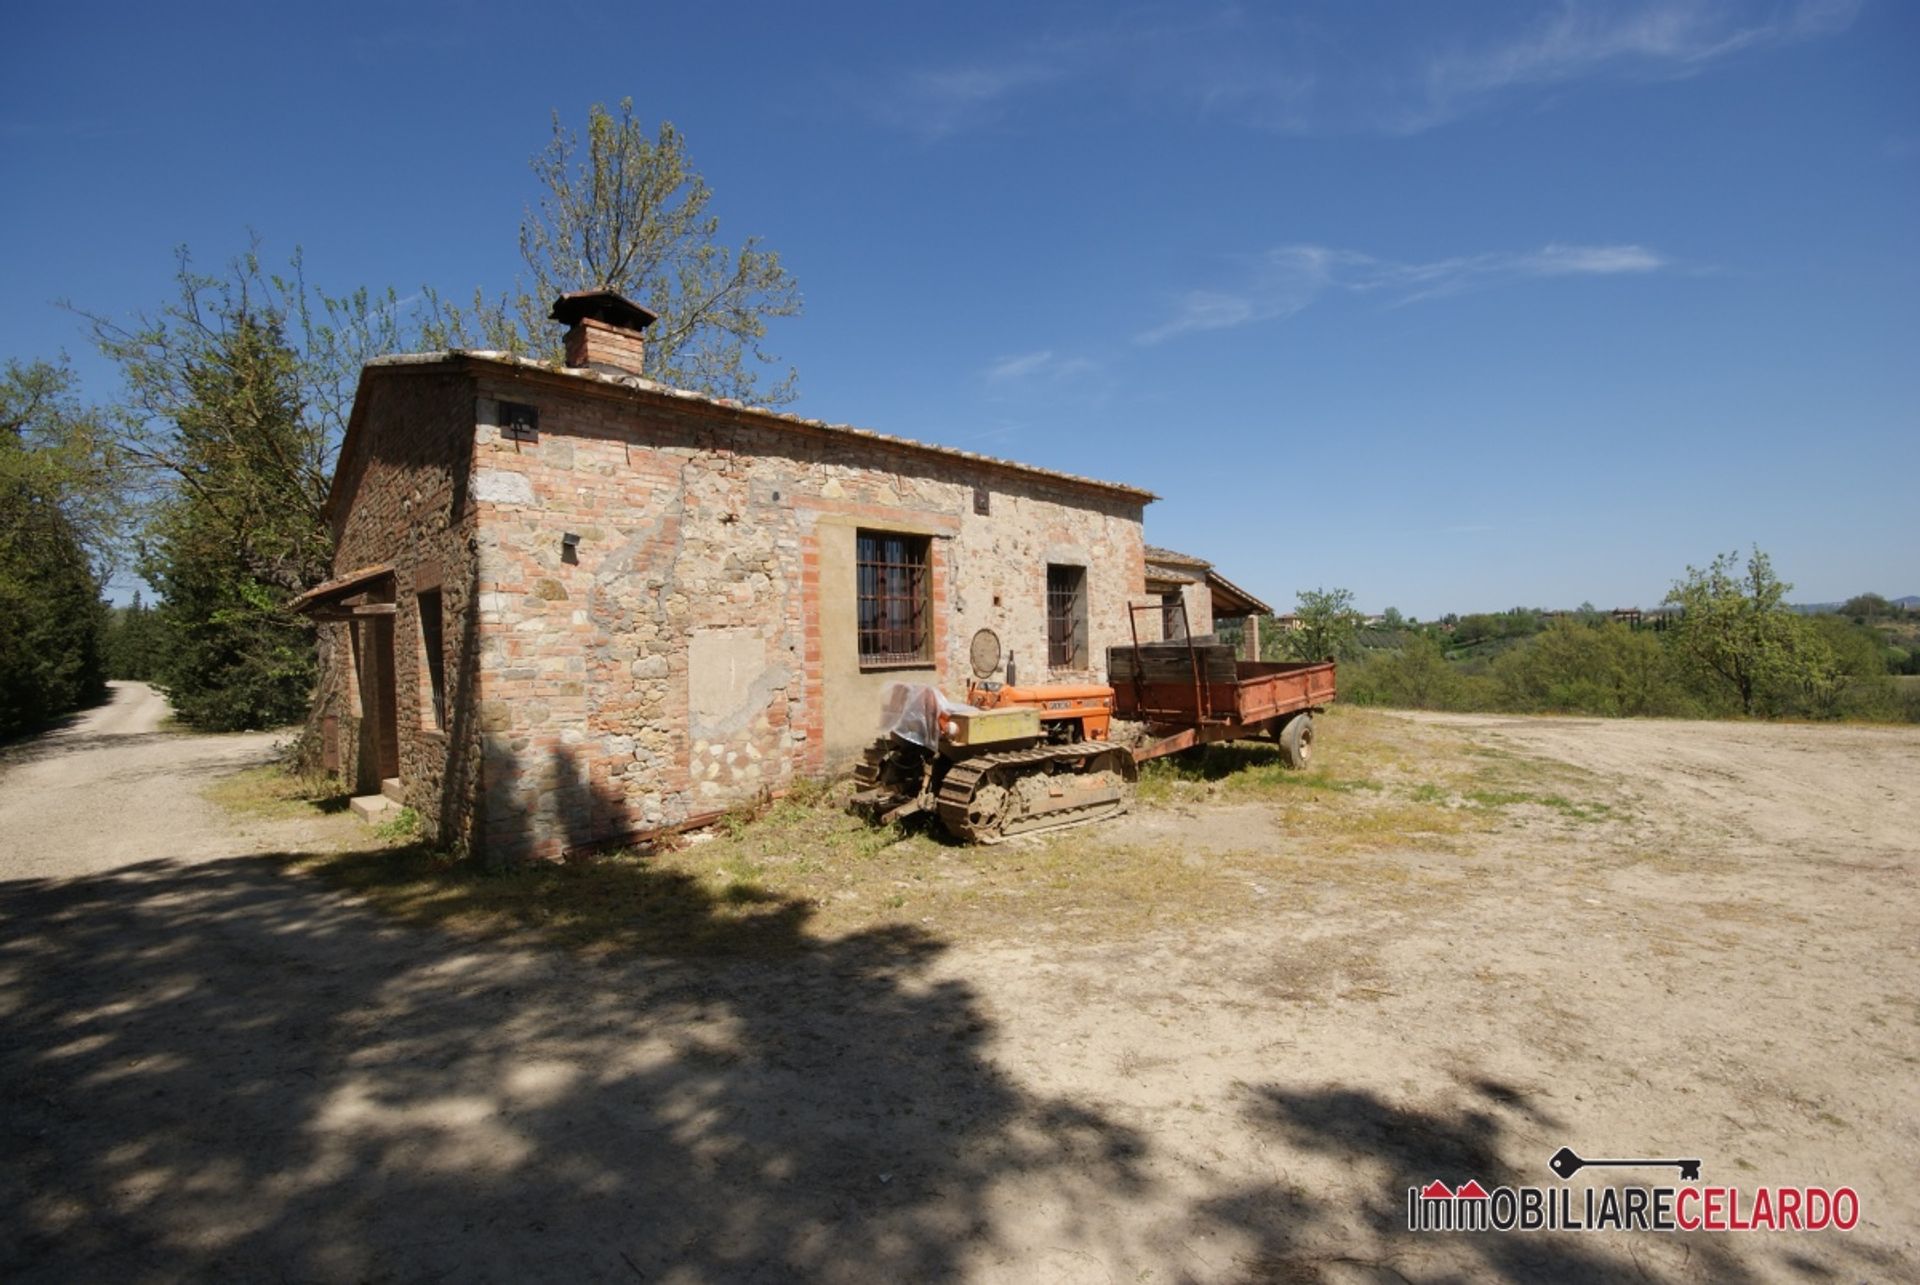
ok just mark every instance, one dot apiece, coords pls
pixel 912 712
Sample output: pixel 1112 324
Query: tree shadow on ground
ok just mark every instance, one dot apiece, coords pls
pixel 219 1069
pixel 1306 1236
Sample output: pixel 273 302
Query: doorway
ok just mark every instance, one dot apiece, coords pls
pixel 379 701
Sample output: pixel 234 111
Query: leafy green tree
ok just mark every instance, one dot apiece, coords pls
pixel 1868 606
pixel 134 642
pixel 237 396
pixel 631 215
pixel 323 340
pixel 1329 626
pixel 56 537
pixel 1735 630
pixel 1604 669
pixel 1416 676
pixel 1843 673
pixel 240 533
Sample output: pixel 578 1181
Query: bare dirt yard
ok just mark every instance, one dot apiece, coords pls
pixel 242 1038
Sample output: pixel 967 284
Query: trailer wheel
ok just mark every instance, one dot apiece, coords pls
pixel 1296 741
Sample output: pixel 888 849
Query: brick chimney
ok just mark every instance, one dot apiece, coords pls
pixel 605 331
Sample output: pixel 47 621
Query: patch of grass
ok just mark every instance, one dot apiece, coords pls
pixel 275 793
pixel 1558 803
pixel 402 827
pixel 1377 782
pixel 783 876
pixel 1244 771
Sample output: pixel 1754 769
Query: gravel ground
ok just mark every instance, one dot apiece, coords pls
pixel 216 1068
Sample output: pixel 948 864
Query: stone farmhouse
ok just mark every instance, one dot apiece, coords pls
pixel 573 607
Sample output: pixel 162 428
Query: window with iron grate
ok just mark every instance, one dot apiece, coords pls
pixel 894 593
pixel 1066 617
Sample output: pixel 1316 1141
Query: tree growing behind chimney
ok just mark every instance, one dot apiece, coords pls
pixel 628 212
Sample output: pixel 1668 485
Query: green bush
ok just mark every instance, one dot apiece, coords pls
pixel 1578 669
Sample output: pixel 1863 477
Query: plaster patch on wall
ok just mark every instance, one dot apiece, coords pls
pixel 1068 555
pixel 729 680
pixel 502 486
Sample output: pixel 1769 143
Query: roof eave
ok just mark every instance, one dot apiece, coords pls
pixel 631 384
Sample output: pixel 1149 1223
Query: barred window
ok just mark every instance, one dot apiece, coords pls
pixel 895 599
pixel 1067 617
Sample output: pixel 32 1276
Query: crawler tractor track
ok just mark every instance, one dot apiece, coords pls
pixel 995 796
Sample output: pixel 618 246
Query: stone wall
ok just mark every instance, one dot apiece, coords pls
pixel 407 483
pixel 694 649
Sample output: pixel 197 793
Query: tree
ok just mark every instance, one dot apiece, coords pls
pixel 631 215
pixel 237 396
pixel 239 537
pixel 56 539
pixel 1416 676
pixel 1735 628
pixel 1329 625
pixel 323 340
pixel 1604 669
pixel 134 642
pixel 1868 606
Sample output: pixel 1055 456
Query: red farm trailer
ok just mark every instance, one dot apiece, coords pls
pixel 1192 692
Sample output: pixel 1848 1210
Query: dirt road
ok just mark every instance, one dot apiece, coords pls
pixel 214 1067
pixel 113 788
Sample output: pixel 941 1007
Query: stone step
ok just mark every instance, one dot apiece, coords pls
pixel 391 788
pixel 372 807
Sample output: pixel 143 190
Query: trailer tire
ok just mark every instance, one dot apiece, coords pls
pixel 1296 741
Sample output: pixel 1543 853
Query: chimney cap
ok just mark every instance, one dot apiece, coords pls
pixel 602 305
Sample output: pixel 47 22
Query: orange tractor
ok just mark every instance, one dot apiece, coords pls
pixel 1017 759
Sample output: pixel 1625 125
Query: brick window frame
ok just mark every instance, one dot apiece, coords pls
pixel 1066 617
pixel 893 599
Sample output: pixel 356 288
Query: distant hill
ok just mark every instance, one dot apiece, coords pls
pixel 1910 602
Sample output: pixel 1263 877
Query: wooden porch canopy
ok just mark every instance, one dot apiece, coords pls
pixel 1230 600
pixel 1167 569
pixel 366 592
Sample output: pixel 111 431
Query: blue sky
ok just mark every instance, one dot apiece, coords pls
pixel 1459 306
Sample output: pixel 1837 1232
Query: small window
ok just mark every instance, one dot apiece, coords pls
pixel 1173 616
pixel 432 633
pixel 894 593
pixel 519 422
pixel 1067 617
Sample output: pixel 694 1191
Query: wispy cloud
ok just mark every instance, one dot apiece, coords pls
pixel 1294 73
pixel 1289 279
pixel 1664 38
pixel 936 102
pixel 1042 364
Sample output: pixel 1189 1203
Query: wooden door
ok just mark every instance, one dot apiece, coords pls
pixel 379 721
pixel 388 739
